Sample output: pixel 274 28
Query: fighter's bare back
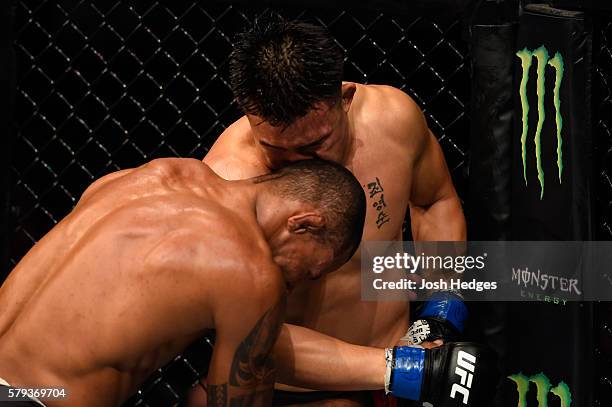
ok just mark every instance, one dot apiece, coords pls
pixel 127 280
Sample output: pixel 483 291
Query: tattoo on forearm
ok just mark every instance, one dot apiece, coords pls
pixel 258 398
pixel 217 394
pixel 376 193
pixel 218 397
pixel 252 362
pixel 252 368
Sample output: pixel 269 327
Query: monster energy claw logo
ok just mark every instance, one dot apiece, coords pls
pixel 543 387
pixel 542 58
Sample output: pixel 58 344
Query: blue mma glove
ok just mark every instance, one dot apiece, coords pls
pixel 442 317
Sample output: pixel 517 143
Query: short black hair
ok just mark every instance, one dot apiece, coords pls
pixel 279 69
pixel 333 189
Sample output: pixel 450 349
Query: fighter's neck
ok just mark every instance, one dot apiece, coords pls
pixel 267 211
pixel 349 142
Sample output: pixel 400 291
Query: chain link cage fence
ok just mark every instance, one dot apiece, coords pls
pixel 104 85
pixel 602 141
pixel 109 85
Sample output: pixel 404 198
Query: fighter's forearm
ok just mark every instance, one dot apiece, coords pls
pixel 313 360
pixel 441 221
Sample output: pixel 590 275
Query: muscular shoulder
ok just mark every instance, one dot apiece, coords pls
pixel 214 252
pixel 220 276
pixel 176 169
pixel 394 115
pixel 233 156
pixel 239 272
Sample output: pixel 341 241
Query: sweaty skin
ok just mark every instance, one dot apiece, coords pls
pixel 389 147
pixel 137 271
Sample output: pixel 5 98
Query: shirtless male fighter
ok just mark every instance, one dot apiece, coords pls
pixel 152 258
pixel 287 79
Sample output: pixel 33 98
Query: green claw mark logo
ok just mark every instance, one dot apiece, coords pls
pixel 543 387
pixel 542 58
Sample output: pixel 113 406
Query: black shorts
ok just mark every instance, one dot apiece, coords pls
pixel 371 398
pixel 287 398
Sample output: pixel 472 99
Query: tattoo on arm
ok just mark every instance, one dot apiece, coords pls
pixel 252 364
pixel 217 395
pixel 376 193
pixel 252 367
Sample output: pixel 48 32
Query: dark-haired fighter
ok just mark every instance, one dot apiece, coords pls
pixel 153 257
pixel 287 78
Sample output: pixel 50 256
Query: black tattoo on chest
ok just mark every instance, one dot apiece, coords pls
pixel 376 194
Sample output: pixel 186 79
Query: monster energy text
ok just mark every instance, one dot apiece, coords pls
pixel 542 58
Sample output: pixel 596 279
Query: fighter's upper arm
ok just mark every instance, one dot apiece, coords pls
pixel 248 318
pixel 229 167
pixel 227 156
pixel 430 176
pixel 219 157
pixel 432 180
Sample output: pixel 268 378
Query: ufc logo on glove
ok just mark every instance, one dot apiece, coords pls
pixel 465 371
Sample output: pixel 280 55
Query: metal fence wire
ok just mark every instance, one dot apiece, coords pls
pixel 602 142
pixel 109 85
pixel 602 128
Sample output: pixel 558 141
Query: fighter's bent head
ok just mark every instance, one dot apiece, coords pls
pixel 334 217
pixel 280 69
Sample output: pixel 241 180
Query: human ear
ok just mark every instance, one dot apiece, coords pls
pixel 348 91
pixel 304 222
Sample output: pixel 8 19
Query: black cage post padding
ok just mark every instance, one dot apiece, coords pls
pixel 552 192
pixel 552 145
pixel 7 95
pixel 489 196
pixel 492 62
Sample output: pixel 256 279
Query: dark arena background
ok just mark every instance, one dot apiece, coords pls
pixel 90 87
